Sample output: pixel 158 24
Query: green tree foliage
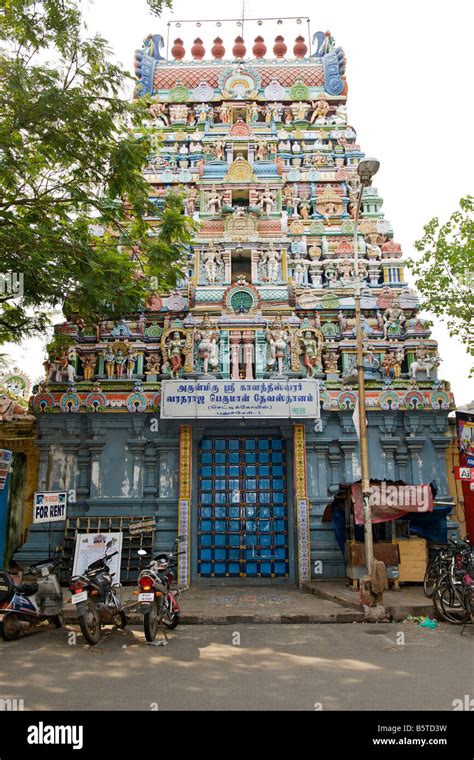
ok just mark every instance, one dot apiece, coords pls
pixel 445 271
pixel 71 150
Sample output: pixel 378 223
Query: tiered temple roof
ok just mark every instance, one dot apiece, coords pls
pixel 263 148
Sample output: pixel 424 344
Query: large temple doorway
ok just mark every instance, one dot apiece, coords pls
pixel 242 515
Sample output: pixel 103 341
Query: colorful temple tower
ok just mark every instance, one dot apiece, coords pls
pixel 224 410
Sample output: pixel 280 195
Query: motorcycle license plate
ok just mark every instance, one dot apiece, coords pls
pixel 77 598
pixel 146 597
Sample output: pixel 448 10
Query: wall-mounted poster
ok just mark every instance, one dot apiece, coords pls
pixel 5 462
pixel 93 546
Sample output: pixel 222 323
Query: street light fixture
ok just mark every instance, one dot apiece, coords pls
pixel 366 170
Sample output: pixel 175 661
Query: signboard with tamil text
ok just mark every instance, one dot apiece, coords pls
pixel 277 399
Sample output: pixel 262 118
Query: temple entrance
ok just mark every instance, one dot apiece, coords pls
pixel 242 507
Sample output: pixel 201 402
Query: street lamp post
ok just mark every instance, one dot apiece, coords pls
pixel 366 170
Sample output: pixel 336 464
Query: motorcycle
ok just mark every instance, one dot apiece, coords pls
pixel 157 601
pixel 27 605
pixel 97 599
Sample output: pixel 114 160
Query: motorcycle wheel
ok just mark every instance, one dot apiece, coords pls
pixel 171 621
pixel 90 624
pixel 10 627
pixel 58 621
pixel 122 619
pixel 150 622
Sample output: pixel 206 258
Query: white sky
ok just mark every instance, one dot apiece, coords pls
pixel 409 68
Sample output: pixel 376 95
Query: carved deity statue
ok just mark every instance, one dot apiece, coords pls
pixel 310 347
pixel 212 259
pixel 153 364
pixel 300 110
pixel 266 200
pixel 120 361
pixel 173 353
pixel 219 146
pixel 253 109
pixel 224 113
pixel 270 262
pixel 109 358
pixel 158 112
pixel 213 201
pixel 178 112
pixel 192 196
pixel 202 111
pixel 392 364
pixel 88 365
pixel 330 361
pixel 130 361
pixel 206 339
pixel 261 152
pixel 277 340
pixel 345 269
pixel 320 109
pixel 394 319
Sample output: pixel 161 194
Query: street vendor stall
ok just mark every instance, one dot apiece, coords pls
pixel 396 508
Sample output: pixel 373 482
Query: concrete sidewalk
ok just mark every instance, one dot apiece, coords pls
pixel 326 602
pixel 410 600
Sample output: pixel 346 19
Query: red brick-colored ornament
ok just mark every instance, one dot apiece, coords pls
pixel 218 49
pixel 197 50
pixel 300 48
pixel 259 49
pixel 279 48
pixel 239 48
pixel 177 51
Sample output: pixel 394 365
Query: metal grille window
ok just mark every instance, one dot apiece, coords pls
pixel 242 507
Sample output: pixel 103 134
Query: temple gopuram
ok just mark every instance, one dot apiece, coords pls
pixel 224 410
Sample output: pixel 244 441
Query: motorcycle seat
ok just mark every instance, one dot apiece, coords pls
pixel 28 589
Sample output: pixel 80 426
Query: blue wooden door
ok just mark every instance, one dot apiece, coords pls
pixel 242 507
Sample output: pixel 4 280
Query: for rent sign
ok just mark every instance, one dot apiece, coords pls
pixel 49 506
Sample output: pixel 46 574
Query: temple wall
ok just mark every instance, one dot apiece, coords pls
pixel 127 468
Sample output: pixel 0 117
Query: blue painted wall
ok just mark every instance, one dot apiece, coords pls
pixel 118 465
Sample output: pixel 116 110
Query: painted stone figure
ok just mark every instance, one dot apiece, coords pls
pixel 192 196
pixel 425 361
pixel 277 340
pixel 131 359
pixel 310 348
pixel 213 201
pixel 394 319
pixel 270 263
pixel 212 259
pixel 320 109
pixel 109 358
pixel 330 362
pixel 392 364
pixel 266 200
pixel 206 338
pixel 173 352
pixel 88 365
pixel 153 364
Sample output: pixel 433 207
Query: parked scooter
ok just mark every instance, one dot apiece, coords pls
pixel 97 599
pixel 26 605
pixel 157 602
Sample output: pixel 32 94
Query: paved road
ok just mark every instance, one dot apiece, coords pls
pixel 275 667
